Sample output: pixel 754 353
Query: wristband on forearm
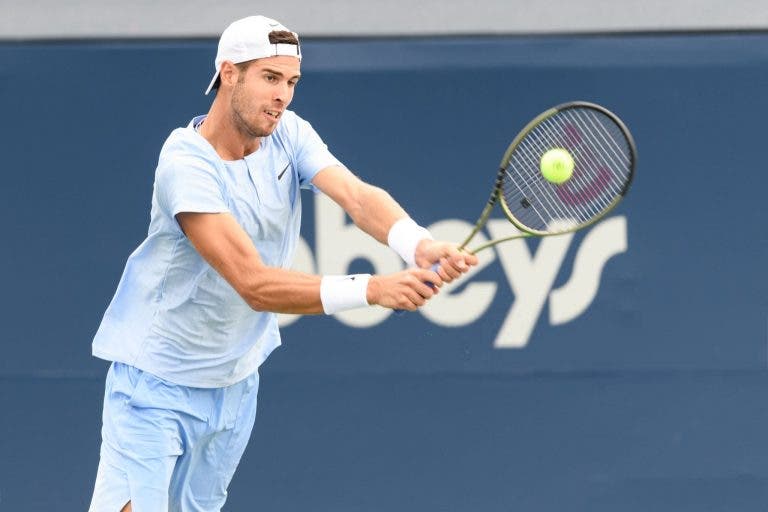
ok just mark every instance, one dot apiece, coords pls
pixel 404 236
pixel 340 293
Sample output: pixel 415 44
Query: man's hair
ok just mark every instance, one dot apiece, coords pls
pixel 282 37
pixel 275 37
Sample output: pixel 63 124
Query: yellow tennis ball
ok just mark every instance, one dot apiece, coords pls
pixel 556 166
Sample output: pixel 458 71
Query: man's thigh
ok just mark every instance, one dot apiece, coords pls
pixel 204 472
pixel 139 448
pixel 170 447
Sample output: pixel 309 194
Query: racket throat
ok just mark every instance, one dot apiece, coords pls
pixel 486 211
pixel 498 241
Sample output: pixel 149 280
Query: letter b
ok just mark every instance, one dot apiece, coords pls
pixel 337 244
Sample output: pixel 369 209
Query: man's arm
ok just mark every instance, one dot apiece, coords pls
pixel 375 211
pixel 371 208
pixel 227 248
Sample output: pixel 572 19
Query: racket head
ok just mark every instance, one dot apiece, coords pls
pixel 604 156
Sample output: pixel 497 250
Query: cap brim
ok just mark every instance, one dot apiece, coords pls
pixel 213 81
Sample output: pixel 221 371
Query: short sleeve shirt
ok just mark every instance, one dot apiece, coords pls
pixel 173 315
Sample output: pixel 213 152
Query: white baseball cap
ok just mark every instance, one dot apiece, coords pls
pixel 247 39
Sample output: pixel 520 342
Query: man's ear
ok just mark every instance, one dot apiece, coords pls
pixel 228 73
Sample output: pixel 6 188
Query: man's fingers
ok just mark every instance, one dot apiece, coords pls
pixel 428 276
pixel 455 263
pixel 406 304
pixel 416 296
pixel 462 260
pixel 426 289
pixel 469 258
pixel 414 287
pixel 450 268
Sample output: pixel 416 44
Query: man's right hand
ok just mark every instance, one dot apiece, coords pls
pixel 407 290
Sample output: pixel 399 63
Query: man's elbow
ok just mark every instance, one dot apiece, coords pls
pixel 254 292
pixel 362 202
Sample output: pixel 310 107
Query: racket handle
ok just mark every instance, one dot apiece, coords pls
pixel 433 268
pixel 431 285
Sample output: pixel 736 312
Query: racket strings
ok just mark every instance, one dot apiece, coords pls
pixel 547 190
pixel 604 146
pixel 533 186
pixel 580 178
pixel 603 167
pixel 618 155
pixel 540 188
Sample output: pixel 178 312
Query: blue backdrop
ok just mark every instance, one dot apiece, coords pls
pixel 526 389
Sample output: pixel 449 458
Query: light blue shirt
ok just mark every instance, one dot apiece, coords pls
pixel 173 315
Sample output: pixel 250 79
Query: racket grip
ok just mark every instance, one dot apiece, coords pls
pixel 433 268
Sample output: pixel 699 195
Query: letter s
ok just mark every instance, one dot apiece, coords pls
pixel 604 241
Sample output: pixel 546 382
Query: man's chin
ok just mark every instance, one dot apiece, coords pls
pixel 265 131
pixel 260 131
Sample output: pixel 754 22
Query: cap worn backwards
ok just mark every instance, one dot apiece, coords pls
pixel 247 39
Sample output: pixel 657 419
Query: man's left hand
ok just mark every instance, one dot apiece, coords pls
pixel 452 262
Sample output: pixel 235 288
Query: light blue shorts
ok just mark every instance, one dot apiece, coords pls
pixel 167 447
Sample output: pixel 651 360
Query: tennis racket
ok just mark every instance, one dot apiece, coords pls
pixel 603 157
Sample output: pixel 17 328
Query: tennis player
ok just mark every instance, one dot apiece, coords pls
pixel 193 316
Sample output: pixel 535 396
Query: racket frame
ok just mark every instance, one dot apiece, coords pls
pixel 498 196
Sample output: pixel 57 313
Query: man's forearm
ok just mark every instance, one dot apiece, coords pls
pixel 376 212
pixel 282 291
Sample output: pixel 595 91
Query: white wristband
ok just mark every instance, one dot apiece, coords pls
pixel 404 236
pixel 340 293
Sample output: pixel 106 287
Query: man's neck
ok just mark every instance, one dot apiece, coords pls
pixel 220 131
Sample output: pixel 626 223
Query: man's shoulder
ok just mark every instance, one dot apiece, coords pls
pixel 183 139
pixel 289 122
pixel 293 129
pixel 185 142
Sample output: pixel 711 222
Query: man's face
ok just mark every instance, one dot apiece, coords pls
pixel 262 93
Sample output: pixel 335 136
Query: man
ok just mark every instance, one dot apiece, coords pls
pixel 194 313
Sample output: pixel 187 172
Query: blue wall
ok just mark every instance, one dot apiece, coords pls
pixel 651 398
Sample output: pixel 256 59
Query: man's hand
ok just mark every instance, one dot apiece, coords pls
pixel 452 262
pixel 407 290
